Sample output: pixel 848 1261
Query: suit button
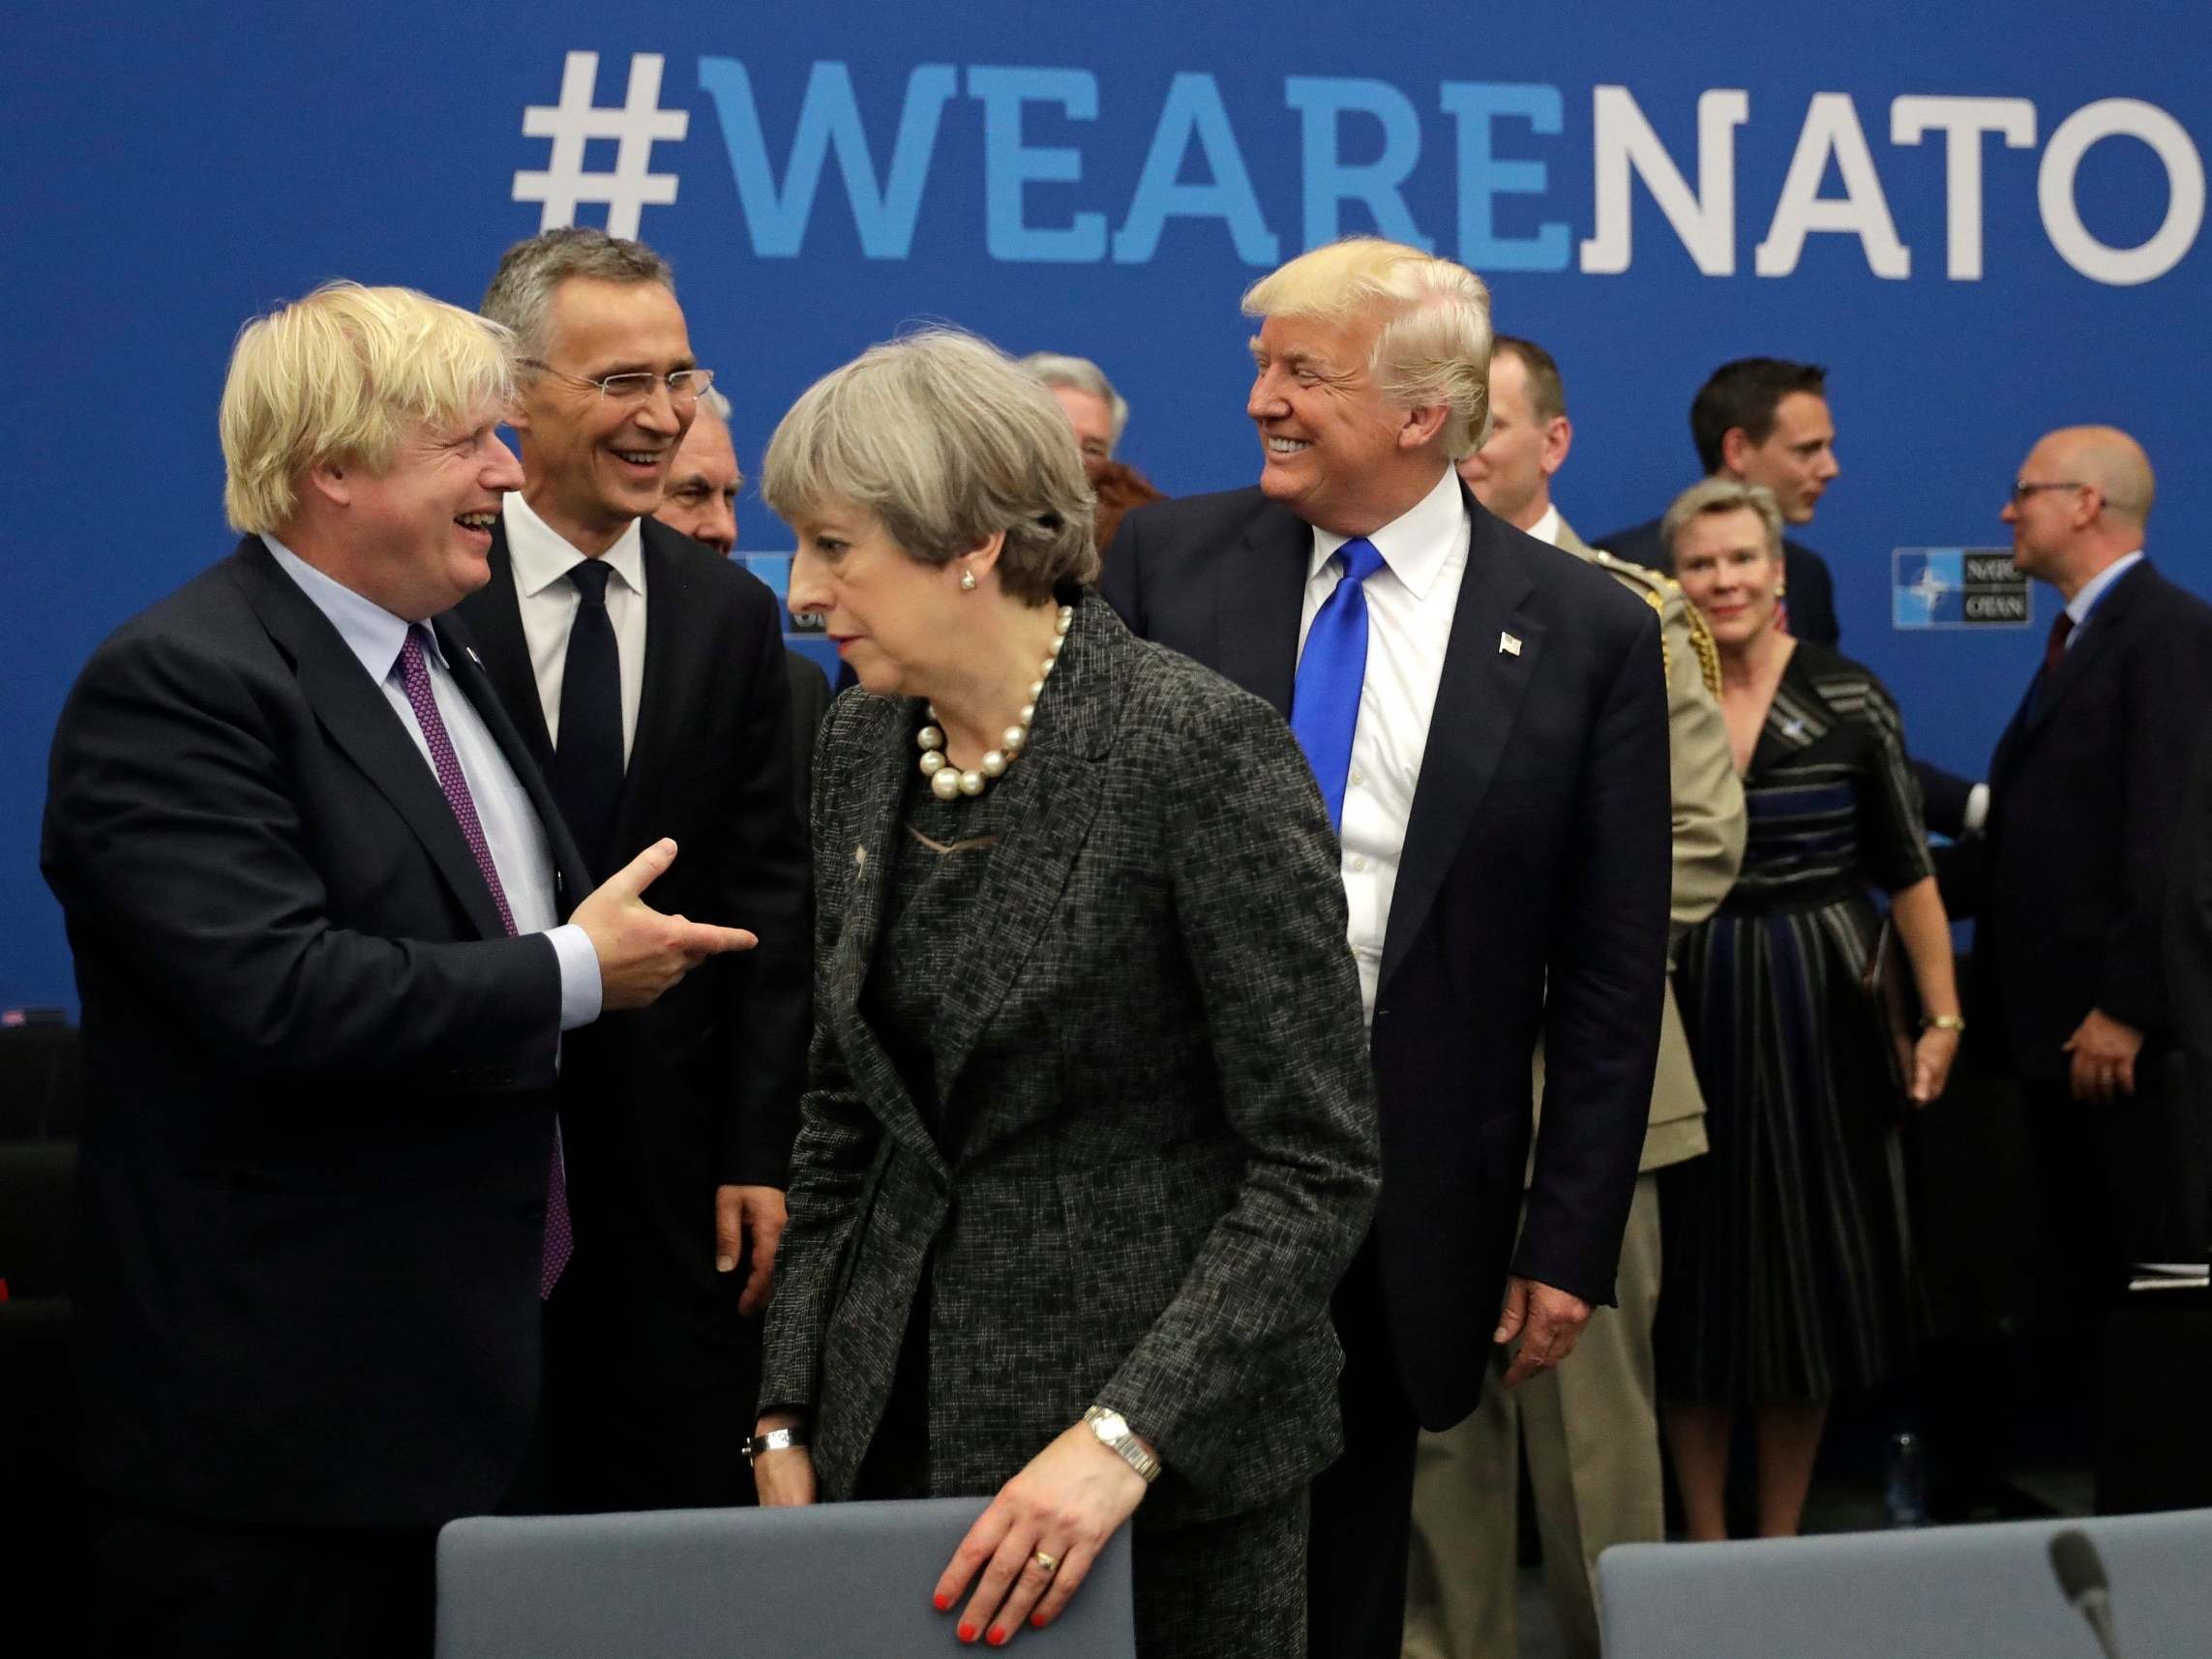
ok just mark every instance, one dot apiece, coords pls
pixel 534 1212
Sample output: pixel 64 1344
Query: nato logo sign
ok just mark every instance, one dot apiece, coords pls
pixel 1957 587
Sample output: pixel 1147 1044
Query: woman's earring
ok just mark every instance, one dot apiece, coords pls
pixel 1781 590
pixel 967 581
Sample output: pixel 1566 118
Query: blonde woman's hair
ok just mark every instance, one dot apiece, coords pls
pixel 1723 496
pixel 1434 347
pixel 944 441
pixel 343 375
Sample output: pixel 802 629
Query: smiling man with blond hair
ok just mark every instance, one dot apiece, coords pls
pixel 1487 719
pixel 329 933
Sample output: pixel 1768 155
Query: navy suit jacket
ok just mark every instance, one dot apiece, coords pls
pixel 2085 794
pixel 1811 595
pixel 660 1105
pixel 1537 853
pixel 319 1076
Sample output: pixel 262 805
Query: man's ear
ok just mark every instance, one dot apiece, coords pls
pixel 1421 426
pixel 333 481
pixel 1735 445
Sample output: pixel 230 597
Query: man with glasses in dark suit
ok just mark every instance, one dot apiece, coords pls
pixel 649 674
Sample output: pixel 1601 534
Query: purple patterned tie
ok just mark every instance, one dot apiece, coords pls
pixel 414 677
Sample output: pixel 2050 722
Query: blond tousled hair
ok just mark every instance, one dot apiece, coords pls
pixel 944 441
pixel 1434 347
pixel 343 375
pixel 1723 496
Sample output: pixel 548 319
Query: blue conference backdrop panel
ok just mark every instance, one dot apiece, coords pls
pixel 1986 222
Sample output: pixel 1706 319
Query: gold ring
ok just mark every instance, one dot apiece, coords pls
pixel 1046 1564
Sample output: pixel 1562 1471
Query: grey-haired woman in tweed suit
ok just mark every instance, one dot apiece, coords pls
pixel 1091 1134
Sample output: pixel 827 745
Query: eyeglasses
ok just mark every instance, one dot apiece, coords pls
pixel 684 386
pixel 2022 489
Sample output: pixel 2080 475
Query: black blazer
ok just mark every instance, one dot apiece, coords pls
pixel 318 1074
pixel 1811 596
pixel 1169 1154
pixel 1538 850
pixel 660 1105
pixel 2085 794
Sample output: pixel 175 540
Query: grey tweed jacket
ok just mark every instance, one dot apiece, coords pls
pixel 1171 1151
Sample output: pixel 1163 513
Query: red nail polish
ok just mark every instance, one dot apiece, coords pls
pixel 967 1633
pixel 1037 1621
pixel 996 1638
pixel 940 1601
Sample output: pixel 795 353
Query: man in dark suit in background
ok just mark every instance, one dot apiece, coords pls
pixel 1487 719
pixel 1762 420
pixel 649 675
pixel 701 503
pixel 2086 788
pixel 315 886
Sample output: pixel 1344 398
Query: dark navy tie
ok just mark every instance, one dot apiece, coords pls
pixel 1325 703
pixel 587 760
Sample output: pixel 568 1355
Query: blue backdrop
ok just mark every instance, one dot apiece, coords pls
pixel 1987 224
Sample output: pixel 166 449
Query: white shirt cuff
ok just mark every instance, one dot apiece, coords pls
pixel 579 987
pixel 1976 808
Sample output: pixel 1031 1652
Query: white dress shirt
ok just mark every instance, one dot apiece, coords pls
pixel 2086 596
pixel 519 850
pixel 1546 528
pixel 1411 602
pixel 543 557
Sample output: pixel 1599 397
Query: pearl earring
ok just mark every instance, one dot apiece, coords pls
pixel 967 581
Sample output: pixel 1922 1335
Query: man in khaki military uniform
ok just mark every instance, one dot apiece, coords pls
pixel 1590 1425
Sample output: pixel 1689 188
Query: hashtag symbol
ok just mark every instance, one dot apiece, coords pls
pixel 635 126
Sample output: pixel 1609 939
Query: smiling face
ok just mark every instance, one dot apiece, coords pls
pixel 419 534
pixel 596 462
pixel 704 480
pixel 1730 573
pixel 1797 460
pixel 1510 474
pixel 1336 451
pixel 891 618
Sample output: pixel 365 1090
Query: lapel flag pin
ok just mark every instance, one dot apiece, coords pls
pixel 1508 644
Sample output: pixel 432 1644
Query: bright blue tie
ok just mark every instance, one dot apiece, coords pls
pixel 1324 703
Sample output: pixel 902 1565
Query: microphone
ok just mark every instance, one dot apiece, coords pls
pixel 2081 1573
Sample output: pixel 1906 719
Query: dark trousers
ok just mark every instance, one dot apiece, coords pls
pixel 1362 1529
pixel 621 1434
pixel 181 1587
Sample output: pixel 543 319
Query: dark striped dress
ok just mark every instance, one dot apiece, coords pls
pixel 1785 1268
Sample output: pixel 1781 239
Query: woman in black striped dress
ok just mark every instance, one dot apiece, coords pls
pixel 1786 1251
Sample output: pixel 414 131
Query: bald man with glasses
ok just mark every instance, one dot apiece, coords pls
pixel 647 674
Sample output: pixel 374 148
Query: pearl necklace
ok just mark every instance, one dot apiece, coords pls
pixel 948 781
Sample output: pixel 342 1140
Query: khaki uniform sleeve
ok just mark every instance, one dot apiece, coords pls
pixel 1708 795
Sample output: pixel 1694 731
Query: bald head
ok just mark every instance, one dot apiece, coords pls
pixel 2112 464
pixel 2078 503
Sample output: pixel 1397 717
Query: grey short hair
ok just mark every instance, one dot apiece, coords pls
pixel 715 404
pixel 945 442
pixel 1050 368
pixel 1723 496
pixel 523 288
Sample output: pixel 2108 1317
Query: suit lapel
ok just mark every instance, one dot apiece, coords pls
pixel 1257 605
pixel 879 784
pixel 494 614
pixel 660 698
pixel 1051 797
pixel 1478 698
pixel 353 709
pixel 2047 691
pixel 571 881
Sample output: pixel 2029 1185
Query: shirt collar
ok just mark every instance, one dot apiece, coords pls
pixel 1415 544
pixel 2085 599
pixel 370 633
pixel 1546 528
pixel 542 555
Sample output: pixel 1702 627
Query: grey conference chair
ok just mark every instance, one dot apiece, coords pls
pixel 838 1580
pixel 1938 1591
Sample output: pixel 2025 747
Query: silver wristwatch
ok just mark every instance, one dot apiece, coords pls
pixel 1113 1433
